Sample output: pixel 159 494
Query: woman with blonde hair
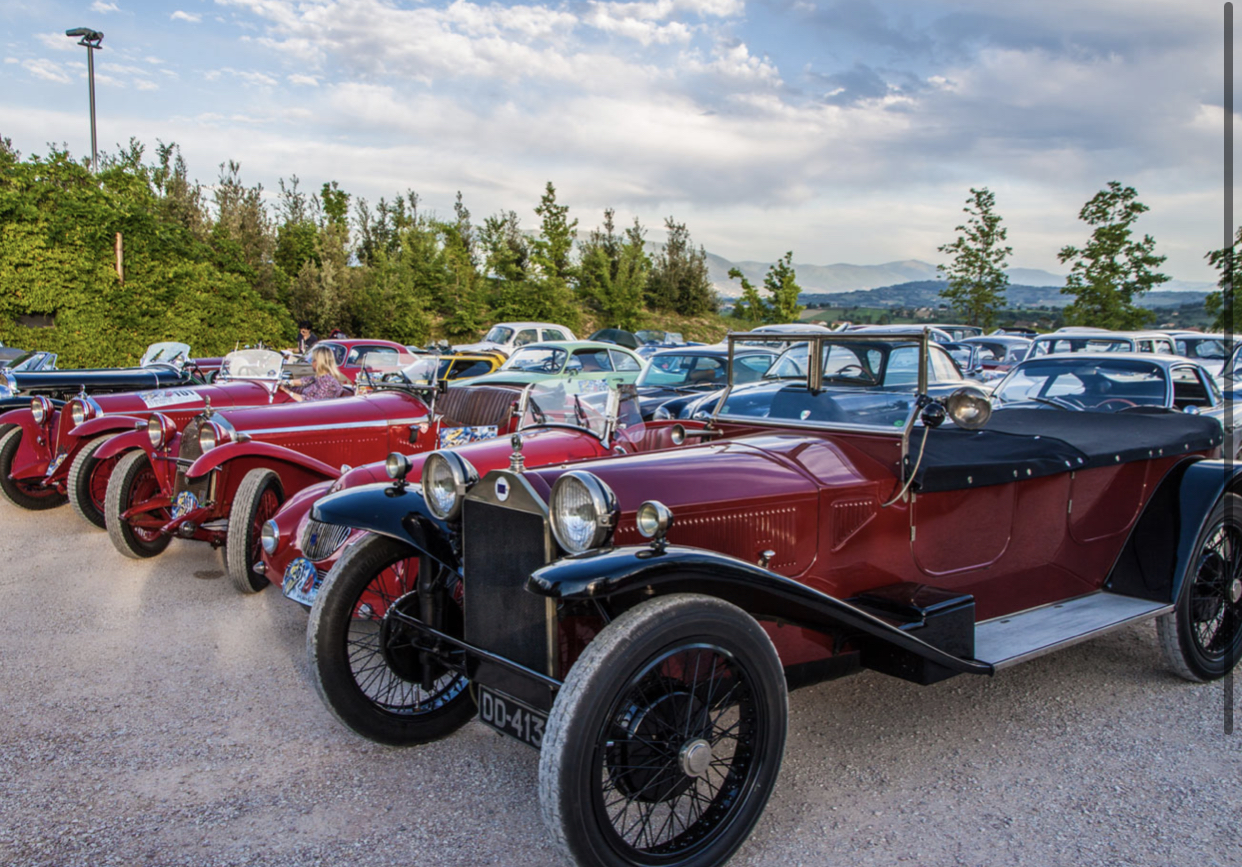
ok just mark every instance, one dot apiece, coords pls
pixel 328 381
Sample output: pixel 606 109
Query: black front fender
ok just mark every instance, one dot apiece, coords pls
pixel 622 571
pixel 400 513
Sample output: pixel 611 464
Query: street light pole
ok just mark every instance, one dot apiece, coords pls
pixel 91 39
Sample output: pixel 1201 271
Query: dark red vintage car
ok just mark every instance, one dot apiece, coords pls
pixel 551 431
pixel 353 356
pixel 639 618
pixel 227 472
pixel 61 459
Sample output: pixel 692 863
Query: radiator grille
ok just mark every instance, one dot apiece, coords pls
pixel 502 547
pixel 189 453
pixel 320 541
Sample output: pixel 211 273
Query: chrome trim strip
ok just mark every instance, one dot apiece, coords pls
pixel 338 426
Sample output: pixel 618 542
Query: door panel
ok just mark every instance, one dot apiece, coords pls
pixel 957 531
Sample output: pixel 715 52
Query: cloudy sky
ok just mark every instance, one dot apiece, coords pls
pixel 845 130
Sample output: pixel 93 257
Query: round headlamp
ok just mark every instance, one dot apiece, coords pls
pixel 446 478
pixel 211 435
pixel 78 412
pixel 969 408
pixel 268 537
pixel 397 466
pixel 41 409
pixel 654 519
pixel 160 429
pixel 583 511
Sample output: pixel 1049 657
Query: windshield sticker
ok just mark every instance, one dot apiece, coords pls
pixel 169 397
pixel 459 436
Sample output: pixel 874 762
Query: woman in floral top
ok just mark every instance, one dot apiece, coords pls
pixel 328 381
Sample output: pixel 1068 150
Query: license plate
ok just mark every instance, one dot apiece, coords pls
pixel 509 716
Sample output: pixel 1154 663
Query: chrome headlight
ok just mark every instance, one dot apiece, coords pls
pixel 8 384
pixel 78 412
pixel 397 466
pixel 41 409
pixel 160 429
pixel 446 478
pixel 211 435
pixel 268 536
pixel 969 408
pixel 583 511
pixel 654 519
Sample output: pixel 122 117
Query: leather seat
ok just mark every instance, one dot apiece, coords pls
pixel 476 406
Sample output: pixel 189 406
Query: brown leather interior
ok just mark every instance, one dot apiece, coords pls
pixel 477 405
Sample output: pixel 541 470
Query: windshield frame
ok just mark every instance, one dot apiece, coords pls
pixel 617 395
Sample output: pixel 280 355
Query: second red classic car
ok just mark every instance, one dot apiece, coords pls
pixel 227 472
pixel 639 618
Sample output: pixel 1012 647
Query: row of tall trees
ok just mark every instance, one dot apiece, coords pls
pixel 224 264
pixel 1108 274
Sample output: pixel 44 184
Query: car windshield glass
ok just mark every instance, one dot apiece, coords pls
pixel 848 364
pixel 338 352
pixel 498 334
pixel 1060 345
pixel 17 362
pixel 165 353
pixel 453 367
pixel 1201 348
pixel 684 371
pixel 581 403
pixel 833 406
pixel 251 364
pixel 648 336
pixel 536 359
pixel 1102 385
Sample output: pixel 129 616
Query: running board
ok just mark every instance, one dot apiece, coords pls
pixel 1006 641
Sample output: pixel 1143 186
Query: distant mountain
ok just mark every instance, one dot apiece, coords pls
pixel 926 293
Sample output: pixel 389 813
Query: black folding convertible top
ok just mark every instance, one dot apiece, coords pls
pixel 1026 443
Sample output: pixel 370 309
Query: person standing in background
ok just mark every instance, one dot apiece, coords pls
pixel 306 337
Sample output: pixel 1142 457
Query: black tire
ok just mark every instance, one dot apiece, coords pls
pixel 1202 636
pixel 258 498
pixel 84 487
pixel 131 471
pixel 22 494
pixel 351 669
pixel 630 726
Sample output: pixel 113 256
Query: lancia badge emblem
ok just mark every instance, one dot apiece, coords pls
pixel 502 489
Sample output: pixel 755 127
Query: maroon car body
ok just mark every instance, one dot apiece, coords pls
pixel 187 485
pixel 353 355
pixel 638 618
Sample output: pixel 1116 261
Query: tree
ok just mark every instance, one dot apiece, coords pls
pixel 679 280
pixel 781 285
pixel 976 275
pixel 1221 306
pixel 550 253
pixel 613 273
pixel 1112 270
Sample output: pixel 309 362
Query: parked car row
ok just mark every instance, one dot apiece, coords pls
pixel 627 563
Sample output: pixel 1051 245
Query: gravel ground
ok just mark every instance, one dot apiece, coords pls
pixel 149 715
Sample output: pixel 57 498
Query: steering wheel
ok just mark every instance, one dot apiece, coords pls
pixel 1125 404
pixel 863 373
pixel 550 366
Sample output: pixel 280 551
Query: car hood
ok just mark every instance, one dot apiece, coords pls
pixel 186 398
pixel 385 407
pixel 481 347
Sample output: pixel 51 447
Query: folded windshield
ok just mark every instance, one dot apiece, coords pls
pixel 251 364
pixel 583 403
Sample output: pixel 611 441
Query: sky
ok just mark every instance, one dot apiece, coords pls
pixel 844 130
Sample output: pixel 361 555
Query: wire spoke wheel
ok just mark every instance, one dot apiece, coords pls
pixel 665 740
pixel 366 664
pixel 1202 637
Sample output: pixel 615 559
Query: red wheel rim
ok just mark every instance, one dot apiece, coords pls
pixel 98 484
pixel 146 487
pixel 269 505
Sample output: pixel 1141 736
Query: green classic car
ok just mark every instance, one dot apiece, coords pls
pixel 581 359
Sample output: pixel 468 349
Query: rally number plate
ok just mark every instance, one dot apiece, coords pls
pixel 509 716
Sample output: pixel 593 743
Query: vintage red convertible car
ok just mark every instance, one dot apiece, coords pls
pixel 638 618
pixel 57 457
pixel 551 431
pixel 227 472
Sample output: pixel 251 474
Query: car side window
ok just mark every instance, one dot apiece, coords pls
pixel 750 368
pixel 903 366
pixel 623 362
pixel 942 366
pixel 554 334
pixel 379 356
pixel 590 361
pixel 1189 389
pixel 524 337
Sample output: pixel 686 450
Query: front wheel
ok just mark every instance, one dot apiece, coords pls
pixel 132 483
pixel 258 498
pixel 365 667
pixel 87 482
pixel 666 739
pixel 1202 636
pixel 25 493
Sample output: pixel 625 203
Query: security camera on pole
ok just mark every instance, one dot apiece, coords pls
pixel 91 39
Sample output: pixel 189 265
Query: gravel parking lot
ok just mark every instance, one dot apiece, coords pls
pixel 150 715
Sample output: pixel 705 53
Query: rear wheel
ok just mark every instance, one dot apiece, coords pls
pixel 258 498
pixel 665 741
pixel 87 482
pixel 1202 636
pixel 132 483
pixel 365 667
pixel 26 493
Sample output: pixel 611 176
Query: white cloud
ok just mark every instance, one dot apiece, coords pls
pixel 188 17
pixel 306 80
pixel 145 84
pixel 47 70
pixel 58 42
pixel 103 8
